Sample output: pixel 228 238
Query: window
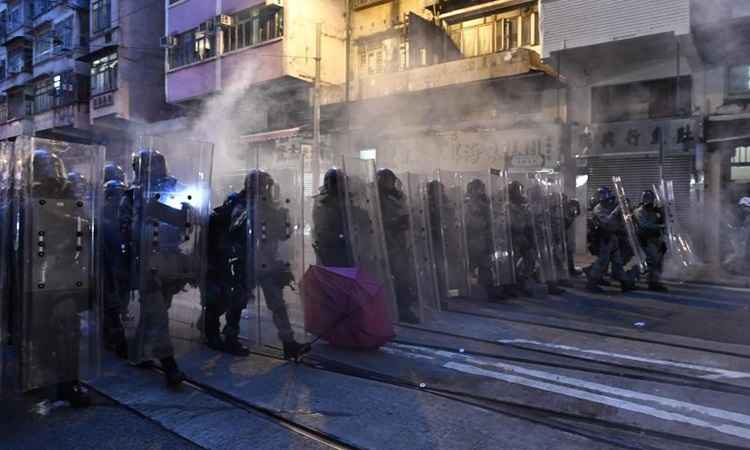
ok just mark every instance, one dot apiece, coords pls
pixel 739 81
pixel 63 35
pixel 104 74
pixel 15 17
pixel 44 95
pixel 193 46
pixel 40 7
pixel 2 69
pixel 101 12
pixel 19 60
pixel 496 33
pixel 253 26
pixel 43 44
pixel 654 99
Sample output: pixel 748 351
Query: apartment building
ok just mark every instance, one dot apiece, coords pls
pixel 448 84
pixel 44 87
pixel 260 52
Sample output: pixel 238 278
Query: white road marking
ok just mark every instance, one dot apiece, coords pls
pixel 601 399
pixel 591 391
pixel 716 372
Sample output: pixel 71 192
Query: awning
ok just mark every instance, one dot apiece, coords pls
pixel 98 53
pixel 270 135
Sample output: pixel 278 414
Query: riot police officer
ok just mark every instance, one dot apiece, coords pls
pixel 522 236
pixel 572 210
pixel 156 286
pixel 395 214
pixel 607 219
pixel 116 292
pixel 479 237
pixel 238 265
pixel 48 327
pixel 650 219
pixel 330 230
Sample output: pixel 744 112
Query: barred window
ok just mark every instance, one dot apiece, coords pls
pixel 44 95
pixel 104 74
pixel 43 44
pixel 101 14
pixel 193 46
pixel 254 26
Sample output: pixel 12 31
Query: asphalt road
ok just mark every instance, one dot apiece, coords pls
pixel 106 425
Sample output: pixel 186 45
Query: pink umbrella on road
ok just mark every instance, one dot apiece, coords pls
pixel 346 307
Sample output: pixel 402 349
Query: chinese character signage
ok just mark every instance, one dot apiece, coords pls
pixel 677 135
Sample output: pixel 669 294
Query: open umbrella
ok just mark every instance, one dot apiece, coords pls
pixel 346 307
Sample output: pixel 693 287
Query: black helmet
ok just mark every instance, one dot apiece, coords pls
pixel 113 172
pixel 604 194
pixel 476 187
pixel 258 182
pixel 79 182
pixel 574 207
pixel 148 165
pixel 331 181
pixel 388 181
pixel 515 192
pixel 648 197
pixel 47 166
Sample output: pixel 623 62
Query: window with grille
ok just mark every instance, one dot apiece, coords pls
pixel 63 35
pixel 101 14
pixel 43 44
pixel 44 95
pixel 498 32
pixel 253 26
pixel 193 46
pixel 738 84
pixel 104 74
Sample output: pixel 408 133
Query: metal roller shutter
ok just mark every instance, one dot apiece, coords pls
pixel 641 172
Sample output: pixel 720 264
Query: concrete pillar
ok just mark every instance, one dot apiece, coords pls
pixel 713 210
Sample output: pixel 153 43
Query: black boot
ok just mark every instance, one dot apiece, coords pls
pixel 75 394
pixel 233 346
pixel 293 350
pixel 657 287
pixel 172 374
pixel 627 286
pixel 593 287
pixel 214 342
pixel 554 289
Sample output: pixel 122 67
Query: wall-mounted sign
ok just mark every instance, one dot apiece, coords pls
pixel 677 135
pixel 359 4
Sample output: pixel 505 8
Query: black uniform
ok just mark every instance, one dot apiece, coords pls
pixel 651 236
pixel 333 247
pixel 395 214
pixel 238 265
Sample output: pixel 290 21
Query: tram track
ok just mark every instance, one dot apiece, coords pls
pixel 581 425
pixel 597 333
pixel 654 374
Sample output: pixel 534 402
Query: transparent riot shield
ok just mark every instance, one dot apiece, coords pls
pixel 483 238
pixel 681 259
pixel 559 235
pixel 639 256
pixel 421 242
pixel 445 196
pixel 541 225
pixel 165 214
pixel 56 297
pixel 503 258
pixel 275 228
pixel 365 228
pixel 6 225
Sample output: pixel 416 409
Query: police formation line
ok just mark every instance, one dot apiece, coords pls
pixel 72 237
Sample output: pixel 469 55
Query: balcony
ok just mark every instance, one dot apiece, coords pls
pixel 16 127
pixel 469 70
pixel 62 121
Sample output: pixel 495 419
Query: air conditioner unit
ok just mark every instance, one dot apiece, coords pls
pixel 168 42
pixel 224 20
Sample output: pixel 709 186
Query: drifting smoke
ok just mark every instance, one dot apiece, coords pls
pixel 224 118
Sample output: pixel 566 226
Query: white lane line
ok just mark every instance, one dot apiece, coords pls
pixel 716 372
pixel 592 386
pixel 601 399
